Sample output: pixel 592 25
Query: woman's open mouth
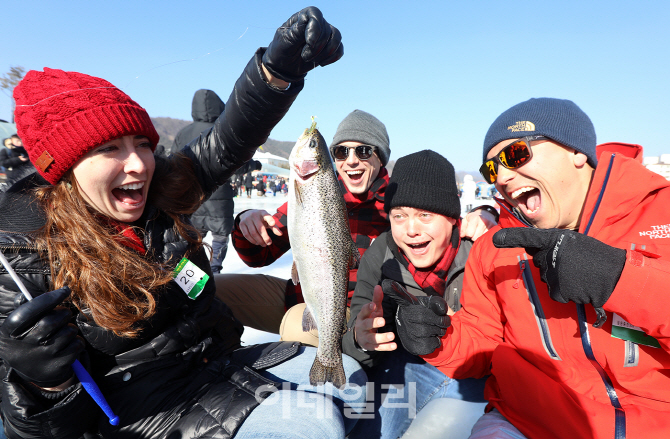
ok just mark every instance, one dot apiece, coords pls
pixel 130 194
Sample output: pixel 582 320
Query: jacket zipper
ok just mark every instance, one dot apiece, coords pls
pixel 20 247
pixel 534 299
pixel 619 414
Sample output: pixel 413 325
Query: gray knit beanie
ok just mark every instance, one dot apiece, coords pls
pixel 424 180
pixel 558 119
pixel 363 127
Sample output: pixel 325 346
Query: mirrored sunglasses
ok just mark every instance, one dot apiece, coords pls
pixel 363 152
pixel 512 156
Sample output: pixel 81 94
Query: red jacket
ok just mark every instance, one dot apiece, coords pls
pixel 542 379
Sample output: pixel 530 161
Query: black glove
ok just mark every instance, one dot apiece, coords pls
pixel 420 321
pixel 575 267
pixel 305 41
pixel 38 341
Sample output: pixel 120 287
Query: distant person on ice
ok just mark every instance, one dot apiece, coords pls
pixel 216 214
pixel 468 193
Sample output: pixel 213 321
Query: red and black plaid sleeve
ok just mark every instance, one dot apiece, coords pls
pixel 256 255
pixel 367 219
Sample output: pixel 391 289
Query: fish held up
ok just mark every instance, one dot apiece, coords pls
pixel 323 250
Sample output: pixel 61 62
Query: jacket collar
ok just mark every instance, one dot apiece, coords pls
pixel 611 195
pixel 376 191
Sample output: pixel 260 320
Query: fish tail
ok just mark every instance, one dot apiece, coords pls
pixel 320 374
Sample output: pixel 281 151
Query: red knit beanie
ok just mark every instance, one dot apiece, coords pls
pixel 60 116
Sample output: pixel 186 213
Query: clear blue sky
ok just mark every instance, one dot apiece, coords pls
pixel 436 73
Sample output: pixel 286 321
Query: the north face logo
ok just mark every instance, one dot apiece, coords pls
pixel 522 126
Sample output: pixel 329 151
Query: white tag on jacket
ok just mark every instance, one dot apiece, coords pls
pixel 625 331
pixel 190 278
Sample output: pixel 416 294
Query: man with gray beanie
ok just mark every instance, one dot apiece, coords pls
pixel 565 303
pixel 361 150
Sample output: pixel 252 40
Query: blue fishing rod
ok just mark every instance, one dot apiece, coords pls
pixel 84 377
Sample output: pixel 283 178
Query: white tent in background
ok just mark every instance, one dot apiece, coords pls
pixel 272 164
pixel 272 170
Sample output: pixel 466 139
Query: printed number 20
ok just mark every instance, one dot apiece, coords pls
pixel 189 273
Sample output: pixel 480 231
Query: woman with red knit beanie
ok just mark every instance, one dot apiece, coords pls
pixel 101 238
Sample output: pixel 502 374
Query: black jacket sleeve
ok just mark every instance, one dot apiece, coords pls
pixel 369 275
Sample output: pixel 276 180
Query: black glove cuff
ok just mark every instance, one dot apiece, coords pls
pixel 272 71
pixel 50 396
pixel 52 383
pixel 284 77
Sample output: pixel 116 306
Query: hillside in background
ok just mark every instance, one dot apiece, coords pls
pixel 168 128
pixel 277 147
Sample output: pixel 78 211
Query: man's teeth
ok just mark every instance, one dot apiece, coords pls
pixel 417 245
pixel 517 193
pixel 131 186
pixel 354 172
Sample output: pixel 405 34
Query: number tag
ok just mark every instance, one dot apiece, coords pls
pixel 625 331
pixel 190 278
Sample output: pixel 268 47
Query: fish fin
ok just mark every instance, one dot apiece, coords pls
pixel 294 274
pixel 308 322
pixel 355 259
pixel 298 194
pixel 320 374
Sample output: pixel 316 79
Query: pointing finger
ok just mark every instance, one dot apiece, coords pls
pixel 526 237
pixel 269 219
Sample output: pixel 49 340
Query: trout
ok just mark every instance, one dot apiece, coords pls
pixel 323 250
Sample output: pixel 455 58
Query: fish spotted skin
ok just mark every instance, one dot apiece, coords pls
pixel 322 249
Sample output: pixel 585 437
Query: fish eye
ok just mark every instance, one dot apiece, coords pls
pixel 312 143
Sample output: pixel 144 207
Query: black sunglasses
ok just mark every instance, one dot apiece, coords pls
pixel 512 156
pixel 363 152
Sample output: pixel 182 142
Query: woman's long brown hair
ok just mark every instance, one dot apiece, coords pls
pixel 116 285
